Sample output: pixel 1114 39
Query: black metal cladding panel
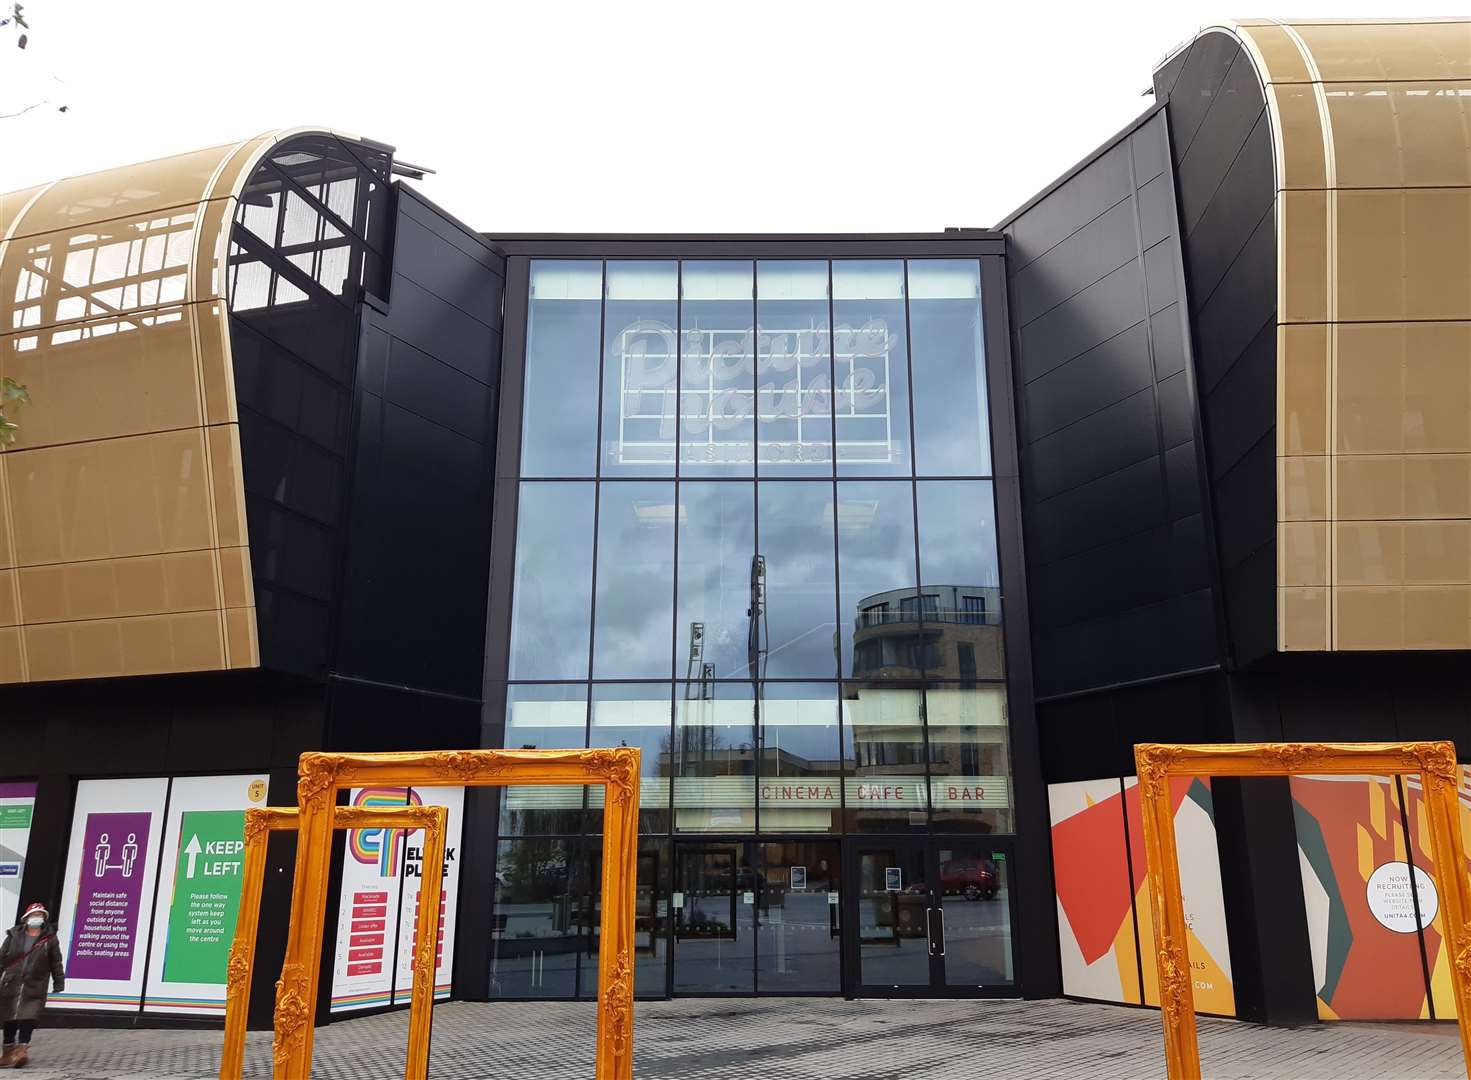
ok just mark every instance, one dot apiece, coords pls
pixel 275 383
pixel 1240 534
pixel 441 394
pixel 1222 139
pixel 1176 411
pixel 295 553
pixel 1161 273
pixel 1120 504
pixel 1206 63
pixel 1242 303
pixel 1237 413
pixel 1091 736
pixel 1138 570
pixel 366 718
pixel 1156 211
pixel 1151 159
pixel 414 589
pixel 432 250
pixel 1135 645
pixel 225 722
pixel 1067 459
pixel 1105 308
pixel 316 334
pixel 1167 333
pixel 1118 554
pixel 1234 111
pixel 1088 255
pixel 1051 220
pixel 1068 394
pixel 1243 197
pixel 1182 478
pixel 1250 591
pixel 438 328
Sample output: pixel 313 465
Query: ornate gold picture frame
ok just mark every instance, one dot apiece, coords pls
pixel 260 822
pixel 1157 762
pixel 323 775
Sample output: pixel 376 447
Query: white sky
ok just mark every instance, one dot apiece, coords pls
pixel 741 116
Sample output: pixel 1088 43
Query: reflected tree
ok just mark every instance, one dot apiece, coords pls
pixel 13 397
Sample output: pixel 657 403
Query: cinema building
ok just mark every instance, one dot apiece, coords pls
pixel 884 549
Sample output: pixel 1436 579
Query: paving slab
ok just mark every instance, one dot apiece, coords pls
pixel 785 1039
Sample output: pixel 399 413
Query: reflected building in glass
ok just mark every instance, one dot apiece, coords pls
pixel 751 529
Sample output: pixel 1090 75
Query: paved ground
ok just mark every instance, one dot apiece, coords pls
pixel 793 1039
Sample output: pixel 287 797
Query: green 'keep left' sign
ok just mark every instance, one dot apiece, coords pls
pixel 206 900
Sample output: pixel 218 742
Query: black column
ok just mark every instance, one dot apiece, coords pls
pixel 46 847
pixel 1034 939
pixel 1261 878
pixel 275 906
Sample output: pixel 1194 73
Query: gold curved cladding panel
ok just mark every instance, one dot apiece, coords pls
pixel 11 205
pixel 123 541
pixel 1372 143
pixel 148 187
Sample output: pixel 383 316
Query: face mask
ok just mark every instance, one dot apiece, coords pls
pixel 35 920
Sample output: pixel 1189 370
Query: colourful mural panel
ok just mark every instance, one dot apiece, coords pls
pixel 1437 959
pixel 1095 915
pixel 1200 888
pixel 1361 923
pixel 1103 898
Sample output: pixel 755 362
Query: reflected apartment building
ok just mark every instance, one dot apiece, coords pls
pixel 884 550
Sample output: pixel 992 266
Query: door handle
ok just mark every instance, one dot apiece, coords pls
pixel 940 912
pixel 929 929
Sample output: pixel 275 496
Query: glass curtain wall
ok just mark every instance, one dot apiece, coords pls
pixel 756 539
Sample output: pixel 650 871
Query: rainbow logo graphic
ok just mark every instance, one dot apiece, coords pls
pixel 381 846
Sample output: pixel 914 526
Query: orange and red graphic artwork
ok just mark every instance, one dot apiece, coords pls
pixel 1103 906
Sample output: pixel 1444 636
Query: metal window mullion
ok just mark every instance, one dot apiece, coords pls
pixel 832 368
pixel 678 370
pixel 924 712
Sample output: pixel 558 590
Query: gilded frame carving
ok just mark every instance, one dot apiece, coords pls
pixel 1157 762
pixel 322 775
pixel 260 822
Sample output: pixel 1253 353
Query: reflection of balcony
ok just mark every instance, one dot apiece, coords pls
pixel 945 632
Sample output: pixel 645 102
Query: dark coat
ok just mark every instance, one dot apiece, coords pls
pixel 27 964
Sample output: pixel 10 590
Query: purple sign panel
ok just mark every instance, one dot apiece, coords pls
pixel 110 894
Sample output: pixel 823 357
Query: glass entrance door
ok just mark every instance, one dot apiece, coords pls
pixel 799 947
pixel 975 912
pixel 933 916
pixel 714 904
pixel 895 912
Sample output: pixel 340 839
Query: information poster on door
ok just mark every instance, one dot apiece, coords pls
pixel 17 801
pixel 367 917
pixel 454 799
pixel 200 875
pixel 111 870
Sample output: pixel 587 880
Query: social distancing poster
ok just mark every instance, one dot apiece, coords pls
pixel 111 869
pixel 152 891
pixel 200 875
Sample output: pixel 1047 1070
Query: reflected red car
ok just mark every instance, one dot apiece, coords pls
pixel 975 879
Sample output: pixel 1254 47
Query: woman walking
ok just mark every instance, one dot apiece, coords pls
pixel 29 959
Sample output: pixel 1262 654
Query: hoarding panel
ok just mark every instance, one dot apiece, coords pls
pixel 111 873
pixel 200 875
